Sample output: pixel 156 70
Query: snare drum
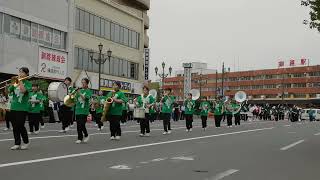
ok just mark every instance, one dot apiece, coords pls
pixel 139 113
pixel 57 91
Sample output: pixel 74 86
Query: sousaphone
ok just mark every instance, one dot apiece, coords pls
pixel 195 94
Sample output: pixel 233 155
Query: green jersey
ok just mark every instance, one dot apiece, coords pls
pixel 43 99
pixel 229 108
pixel 101 100
pixel 20 101
pixel 143 101
pixel 167 104
pixel 218 109
pixel 116 108
pixel 125 104
pixel 83 105
pixel 236 106
pixel 189 106
pixel 204 106
pixel 35 107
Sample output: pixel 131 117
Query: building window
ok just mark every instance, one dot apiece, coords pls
pixel 77 19
pixel 48 36
pixel 299 85
pixel 126 37
pixel 56 40
pixel 86 22
pixel 112 32
pixel 41 35
pixel 26 30
pixel 12 25
pixel 34 32
pixel 107 29
pixel 117 33
pixel 91 29
pixel 97 26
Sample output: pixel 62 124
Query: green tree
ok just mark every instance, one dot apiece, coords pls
pixel 314 22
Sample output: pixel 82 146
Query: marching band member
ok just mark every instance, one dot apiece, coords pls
pixel 8 113
pixel 43 99
pixel 167 105
pixel 229 112
pixel 100 100
pixel 115 111
pixel 189 110
pixel 82 107
pixel 34 114
pixel 19 109
pixel 67 113
pixel 125 107
pixel 218 112
pixel 145 101
pixel 204 107
pixel 237 118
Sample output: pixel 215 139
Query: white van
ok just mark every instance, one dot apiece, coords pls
pixel 305 114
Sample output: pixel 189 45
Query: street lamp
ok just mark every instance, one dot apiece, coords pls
pixel 100 60
pixel 163 75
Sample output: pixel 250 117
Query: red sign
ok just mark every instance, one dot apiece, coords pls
pixel 280 63
pixel 303 61
pixel 292 62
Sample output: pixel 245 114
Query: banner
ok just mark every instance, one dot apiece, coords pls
pixel 52 63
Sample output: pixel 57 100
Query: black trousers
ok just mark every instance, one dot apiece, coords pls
pixel 34 120
pixel 97 119
pixel 19 130
pixel 115 128
pixel 166 121
pixel 145 124
pixel 81 126
pixel 204 121
pixel 237 119
pixel 182 115
pixel 152 117
pixel 124 116
pixel 217 120
pixel 8 117
pixel 229 119
pixel 189 120
pixel 66 116
pixel 41 119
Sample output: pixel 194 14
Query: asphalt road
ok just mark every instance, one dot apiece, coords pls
pixel 255 150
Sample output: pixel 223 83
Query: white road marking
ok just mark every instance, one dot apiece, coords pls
pixel 158 159
pixel 126 148
pixel 223 174
pixel 121 167
pixel 318 134
pixel 291 145
pixel 292 132
pixel 184 158
pixel 144 162
pixel 287 125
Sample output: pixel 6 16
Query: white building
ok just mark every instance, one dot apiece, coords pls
pixel 197 68
pixel 54 38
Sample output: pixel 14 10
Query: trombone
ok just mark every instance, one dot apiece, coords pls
pixel 15 80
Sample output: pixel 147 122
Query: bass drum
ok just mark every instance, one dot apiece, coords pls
pixel 139 113
pixel 57 91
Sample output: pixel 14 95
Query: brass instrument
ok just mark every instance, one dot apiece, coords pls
pixel 106 107
pixel 15 80
pixel 70 99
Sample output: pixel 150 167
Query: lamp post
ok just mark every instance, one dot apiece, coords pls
pixel 100 60
pixel 163 75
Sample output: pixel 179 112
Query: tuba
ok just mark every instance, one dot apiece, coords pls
pixel 106 107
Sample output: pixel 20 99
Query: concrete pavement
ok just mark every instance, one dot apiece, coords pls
pixel 255 150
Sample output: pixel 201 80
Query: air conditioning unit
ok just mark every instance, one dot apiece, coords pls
pixel 318 96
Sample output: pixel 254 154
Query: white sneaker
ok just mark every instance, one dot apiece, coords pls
pixel 96 125
pixel 67 128
pixel 29 133
pixel 99 129
pixel 42 127
pixel 6 129
pixel 36 132
pixel 112 138
pixel 24 147
pixel 187 130
pixel 169 132
pixel 148 135
pixel 71 125
pixel 86 139
pixel 62 131
pixel 15 147
pixel 190 129
pixel 118 137
pixel 141 135
pixel 102 127
pixel 164 133
pixel 78 141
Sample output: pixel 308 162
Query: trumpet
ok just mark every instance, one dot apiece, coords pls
pixel 15 80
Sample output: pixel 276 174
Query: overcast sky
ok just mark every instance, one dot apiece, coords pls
pixel 245 34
